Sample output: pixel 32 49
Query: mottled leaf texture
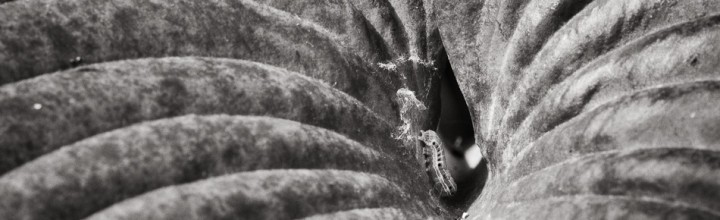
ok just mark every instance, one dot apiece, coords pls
pixel 285 109
pixel 590 109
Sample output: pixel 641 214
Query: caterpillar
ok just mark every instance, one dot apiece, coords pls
pixel 435 164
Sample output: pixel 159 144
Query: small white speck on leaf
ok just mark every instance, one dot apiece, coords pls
pixel 389 66
pixel 392 65
pixel 414 59
pixel 37 106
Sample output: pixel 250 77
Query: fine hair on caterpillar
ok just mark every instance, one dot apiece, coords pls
pixel 435 165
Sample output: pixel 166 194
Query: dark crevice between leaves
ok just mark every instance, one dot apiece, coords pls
pixel 456 131
pixel 469 189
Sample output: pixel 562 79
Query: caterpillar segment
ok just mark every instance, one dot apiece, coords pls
pixel 434 155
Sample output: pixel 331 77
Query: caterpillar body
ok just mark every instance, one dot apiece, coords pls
pixel 435 165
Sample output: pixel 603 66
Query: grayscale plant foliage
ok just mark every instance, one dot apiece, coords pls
pixel 286 109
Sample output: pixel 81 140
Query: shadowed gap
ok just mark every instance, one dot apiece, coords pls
pixel 456 130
